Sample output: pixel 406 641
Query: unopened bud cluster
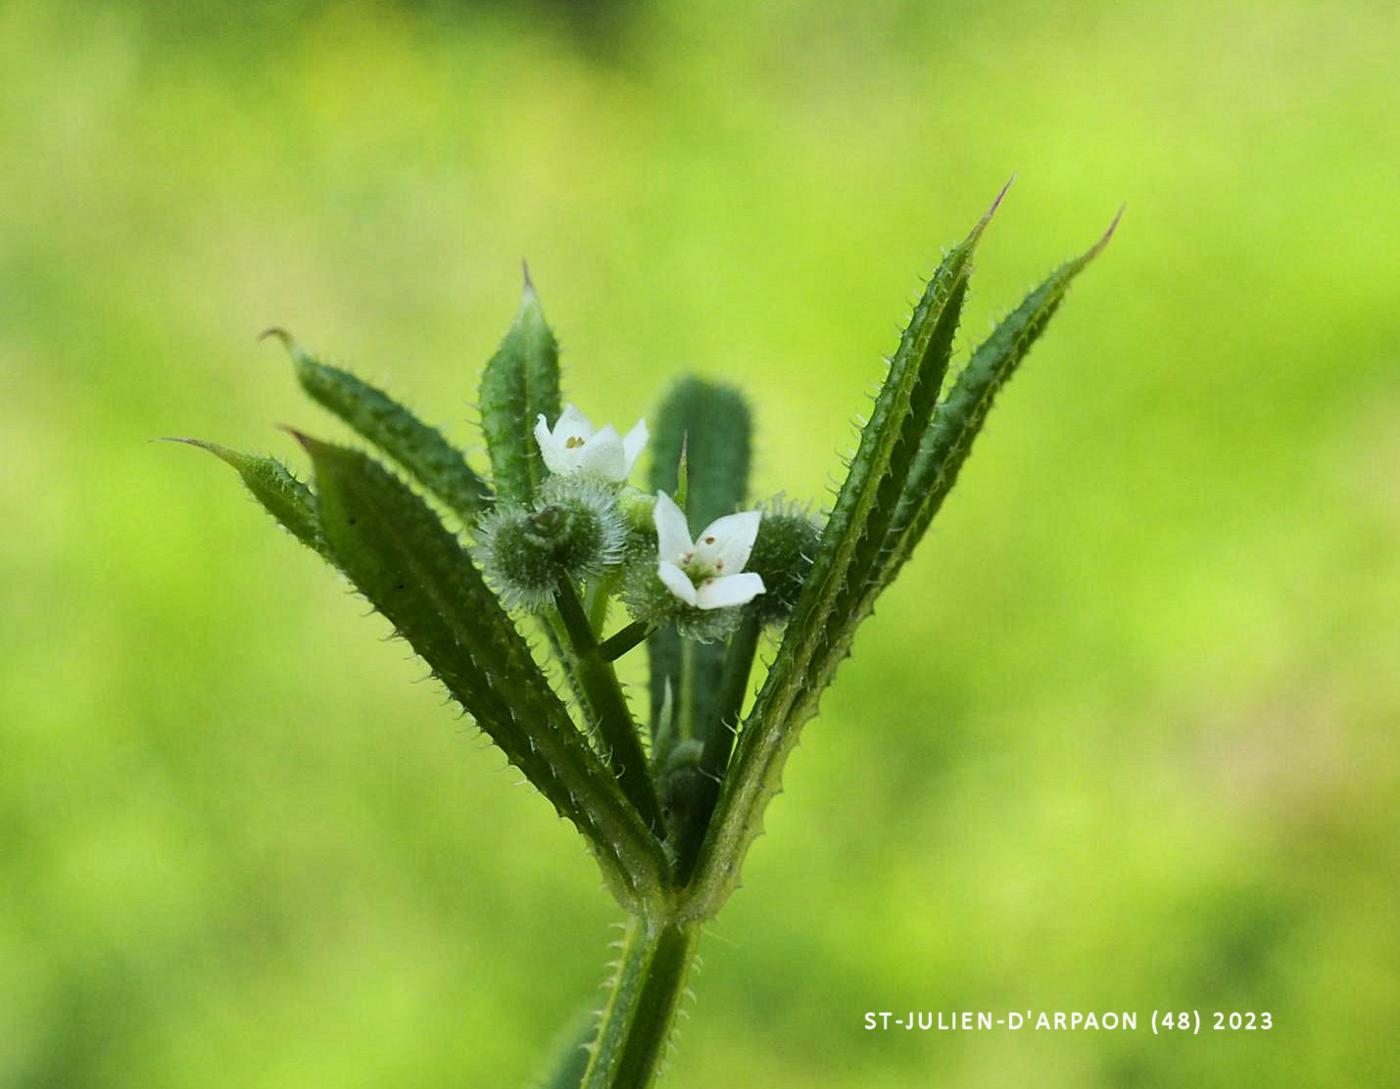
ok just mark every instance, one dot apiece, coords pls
pixel 782 557
pixel 573 531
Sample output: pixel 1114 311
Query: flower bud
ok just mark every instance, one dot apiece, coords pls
pixel 782 555
pixel 680 782
pixel 635 506
pixel 571 532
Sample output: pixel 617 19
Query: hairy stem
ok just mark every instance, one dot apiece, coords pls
pixel 615 646
pixel 719 743
pixel 635 1025
pixel 596 677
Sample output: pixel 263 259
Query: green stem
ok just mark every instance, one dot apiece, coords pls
pixel 689 654
pixel 599 597
pixel 615 646
pixel 635 1025
pixel 719 743
pixel 598 681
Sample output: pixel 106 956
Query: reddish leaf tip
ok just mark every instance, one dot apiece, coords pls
pixel 308 444
pixel 987 216
pixel 1108 234
pixel 1001 195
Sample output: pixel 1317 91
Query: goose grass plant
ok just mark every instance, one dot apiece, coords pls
pixel 503 584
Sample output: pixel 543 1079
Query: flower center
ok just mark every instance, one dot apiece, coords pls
pixel 573 442
pixel 698 573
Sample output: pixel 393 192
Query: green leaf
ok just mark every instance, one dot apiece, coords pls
pixel 401 557
pixel 422 450
pixel 948 442
pixel 850 551
pixel 520 384
pixel 712 426
pixel 272 484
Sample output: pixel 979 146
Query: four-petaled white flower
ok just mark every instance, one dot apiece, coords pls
pixel 576 446
pixel 708 572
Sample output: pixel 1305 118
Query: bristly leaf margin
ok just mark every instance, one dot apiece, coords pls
pixel 379 419
pixel 289 500
pixel 519 384
pixel 850 551
pixel 412 569
pixel 959 418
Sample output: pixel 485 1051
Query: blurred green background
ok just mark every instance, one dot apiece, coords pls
pixel 1124 737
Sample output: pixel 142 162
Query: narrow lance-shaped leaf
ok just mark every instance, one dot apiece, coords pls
pixel 956 423
pixel 421 450
pixel 401 557
pixel 520 384
pixel 767 746
pixel 850 551
pixel 281 494
pixel 713 425
pixel 941 454
pixel 947 445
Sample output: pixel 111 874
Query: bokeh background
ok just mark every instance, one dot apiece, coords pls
pixel 1123 738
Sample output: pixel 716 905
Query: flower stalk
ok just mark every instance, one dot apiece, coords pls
pixel 615 646
pixel 622 747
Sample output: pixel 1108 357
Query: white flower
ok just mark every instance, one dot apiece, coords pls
pixel 709 572
pixel 575 446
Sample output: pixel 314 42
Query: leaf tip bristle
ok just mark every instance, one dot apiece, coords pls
pixel 1001 195
pixel 987 215
pixel 1098 247
pixel 307 443
pixel 223 453
pixel 276 332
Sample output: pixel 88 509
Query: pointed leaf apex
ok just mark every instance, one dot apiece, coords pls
pixel 1078 263
pixel 1098 247
pixel 203 444
pixel 683 474
pixel 519 384
pixel 1001 195
pixel 310 445
pixel 289 342
pixel 279 492
pixel 987 216
pixel 531 310
pixel 223 453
